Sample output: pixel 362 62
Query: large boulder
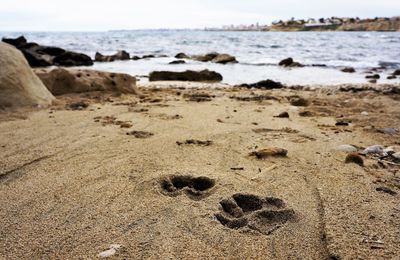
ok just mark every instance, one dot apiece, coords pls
pixel 64 81
pixel 120 55
pixel 43 56
pixel 19 86
pixel 189 75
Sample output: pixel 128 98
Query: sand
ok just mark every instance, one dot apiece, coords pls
pixel 73 183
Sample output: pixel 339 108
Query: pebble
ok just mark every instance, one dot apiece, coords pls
pixel 346 148
pixel 269 152
pixel 389 131
pixel 109 252
pixel 396 155
pixel 364 113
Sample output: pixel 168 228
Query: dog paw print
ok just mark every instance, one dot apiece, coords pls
pixel 195 188
pixel 264 215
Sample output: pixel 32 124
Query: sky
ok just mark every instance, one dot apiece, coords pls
pixel 102 15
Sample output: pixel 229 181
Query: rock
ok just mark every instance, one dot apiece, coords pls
pixel 64 81
pixel 298 101
pixel 269 152
pixel 70 58
pixel 42 56
pixel 177 62
pixel 195 142
pixel 396 155
pixel 148 56
pixel 364 113
pixel 135 58
pixel 289 62
pixel 19 86
pixel 283 115
pixel 205 58
pixel 224 59
pixel 354 158
pixel 342 123
pixel 374 76
pixel 391 77
pixel 110 252
pixel 17 42
pixel 346 148
pixel 182 56
pixel 264 84
pixel 120 55
pixel 396 72
pixel 306 113
pixel 388 130
pixel 386 190
pixel 189 75
pixel 140 134
pixel 374 149
pixel 373 81
pixel 348 70
pixel 80 105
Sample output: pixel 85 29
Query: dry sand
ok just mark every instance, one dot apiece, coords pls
pixel 72 183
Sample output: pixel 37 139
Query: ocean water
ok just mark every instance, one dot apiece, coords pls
pixel 257 52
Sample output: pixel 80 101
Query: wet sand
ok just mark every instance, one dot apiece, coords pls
pixel 73 182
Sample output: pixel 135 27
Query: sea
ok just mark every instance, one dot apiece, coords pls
pixel 258 53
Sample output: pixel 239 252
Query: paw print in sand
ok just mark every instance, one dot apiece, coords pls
pixel 195 188
pixel 247 210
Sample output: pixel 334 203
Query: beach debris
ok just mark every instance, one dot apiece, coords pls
pixel 262 172
pixel 386 190
pixel 140 134
pixel 346 148
pixel 195 142
pixel 125 125
pixel 264 84
pixel 348 70
pixel 237 168
pixel 298 101
pixel 80 105
pixel 287 130
pixel 374 149
pixel 199 97
pixel 289 62
pixel 269 152
pixel 257 98
pixel 283 115
pixel 354 158
pixel 188 75
pixel 110 251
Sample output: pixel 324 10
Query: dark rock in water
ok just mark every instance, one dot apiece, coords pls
pixel 42 56
pixel 375 76
pixel 135 58
pixel 182 56
pixel 70 58
pixel 289 62
pixel 148 56
pixel 391 77
pixel 205 58
pixel 396 72
pixel 189 75
pixel 373 81
pixel 318 65
pixel 264 84
pixel 224 59
pixel 348 70
pixel 120 55
pixel 17 42
pixel 178 62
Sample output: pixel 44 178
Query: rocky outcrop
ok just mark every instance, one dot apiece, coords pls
pixel 120 55
pixel 19 86
pixel 264 84
pixel 289 62
pixel 221 58
pixel 65 81
pixel 189 75
pixel 43 56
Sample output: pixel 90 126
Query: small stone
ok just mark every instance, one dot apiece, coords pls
pixel 396 155
pixel 110 252
pixel 354 158
pixel 342 123
pixel 125 125
pixel 306 113
pixel 364 113
pixel 374 149
pixel 346 148
pixel 269 152
pixel 386 190
pixel 283 115
pixel 348 70
pixel 389 131
pixel 298 101
pixel 140 134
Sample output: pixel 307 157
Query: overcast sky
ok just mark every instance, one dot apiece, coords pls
pixel 99 15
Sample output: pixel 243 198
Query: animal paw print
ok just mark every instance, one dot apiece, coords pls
pixel 195 188
pixel 247 210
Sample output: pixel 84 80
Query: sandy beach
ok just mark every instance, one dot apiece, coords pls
pixel 168 174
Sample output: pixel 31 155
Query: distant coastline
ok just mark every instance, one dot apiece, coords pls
pixel 384 24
